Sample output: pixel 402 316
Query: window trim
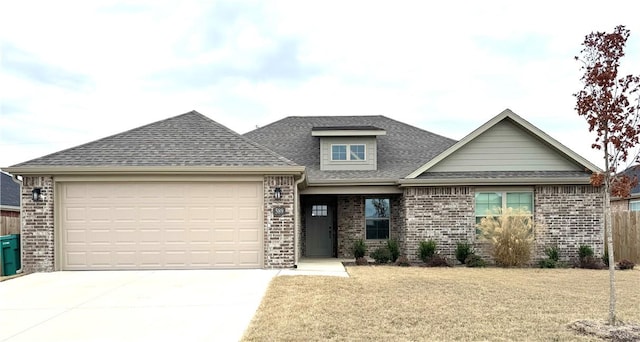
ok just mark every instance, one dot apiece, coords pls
pixel 634 201
pixel 348 151
pixel 388 218
pixel 503 193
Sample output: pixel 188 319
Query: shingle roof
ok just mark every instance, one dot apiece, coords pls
pixel 190 139
pixel 9 191
pixel 631 171
pixel 402 150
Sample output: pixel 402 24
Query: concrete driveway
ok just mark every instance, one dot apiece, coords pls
pixel 202 305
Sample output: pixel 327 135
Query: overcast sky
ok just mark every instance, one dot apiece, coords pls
pixel 72 72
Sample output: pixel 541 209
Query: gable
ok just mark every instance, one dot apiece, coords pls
pixel 505 147
pixel 509 148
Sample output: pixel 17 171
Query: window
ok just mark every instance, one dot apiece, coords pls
pixel 319 210
pixel 494 202
pixel 377 217
pixel 634 205
pixel 339 152
pixel 356 152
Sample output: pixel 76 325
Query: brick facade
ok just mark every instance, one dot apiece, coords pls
pixel 37 236
pixel 279 231
pixel 444 214
pixel 351 223
pixel 571 216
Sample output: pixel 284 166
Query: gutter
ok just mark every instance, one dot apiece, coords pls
pixel 493 181
pixel 133 170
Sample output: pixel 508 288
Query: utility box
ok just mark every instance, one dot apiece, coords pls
pixel 9 254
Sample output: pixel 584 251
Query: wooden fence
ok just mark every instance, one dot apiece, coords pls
pixel 626 235
pixel 9 225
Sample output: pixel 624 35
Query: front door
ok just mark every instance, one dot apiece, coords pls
pixel 319 232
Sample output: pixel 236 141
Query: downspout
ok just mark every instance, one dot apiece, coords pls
pixel 296 220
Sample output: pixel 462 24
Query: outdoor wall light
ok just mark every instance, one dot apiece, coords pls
pixel 277 193
pixel 36 194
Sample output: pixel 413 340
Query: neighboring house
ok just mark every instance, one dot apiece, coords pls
pixel 187 192
pixel 632 203
pixel 9 205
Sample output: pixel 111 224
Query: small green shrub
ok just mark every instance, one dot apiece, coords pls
pixel 359 248
pixel 362 261
pixel 463 250
pixel 626 264
pixel 585 252
pixel 403 261
pixel 438 261
pixel 426 250
pixel 547 263
pixel 511 236
pixel 552 253
pixel 475 261
pixel 394 248
pixel 381 255
pixel 605 258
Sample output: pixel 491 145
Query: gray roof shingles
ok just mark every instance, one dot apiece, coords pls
pixel 9 191
pixel 190 139
pixel 401 151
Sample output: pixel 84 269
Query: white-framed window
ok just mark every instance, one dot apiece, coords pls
pixel 377 212
pixel 348 152
pixel 634 205
pixel 494 202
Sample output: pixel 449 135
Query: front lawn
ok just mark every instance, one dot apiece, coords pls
pixel 417 304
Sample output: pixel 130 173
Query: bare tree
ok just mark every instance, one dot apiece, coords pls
pixel 611 106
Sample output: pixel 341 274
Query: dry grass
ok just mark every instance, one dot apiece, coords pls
pixel 440 304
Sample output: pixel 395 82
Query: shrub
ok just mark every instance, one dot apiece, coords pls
pixel 392 245
pixel 362 261
pixel 438 261
pixel 605 258
pixel 403 261
pixel 585 251
pixel 552 253
pixel 475 261
pixel 547 263
pixel 359 248
pixel 511 236
pixel 626 264
pixel 426 250
pixel 592 263
pixel 463 250
pixel 381 255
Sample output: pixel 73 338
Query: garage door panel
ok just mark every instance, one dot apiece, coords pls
pixel 161 225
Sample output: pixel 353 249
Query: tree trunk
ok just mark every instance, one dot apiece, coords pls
pixel 612 276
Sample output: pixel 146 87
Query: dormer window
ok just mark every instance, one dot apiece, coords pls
pixel 352 148
pixel 340 152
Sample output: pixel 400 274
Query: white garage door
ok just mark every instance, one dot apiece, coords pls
pixel 163 225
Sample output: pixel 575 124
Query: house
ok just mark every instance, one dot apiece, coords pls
pixel 9 205
pixel 632 203
pixel 187 192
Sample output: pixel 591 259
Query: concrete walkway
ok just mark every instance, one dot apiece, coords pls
pixel 317 267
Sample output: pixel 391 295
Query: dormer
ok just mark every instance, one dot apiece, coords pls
pixel 348 147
